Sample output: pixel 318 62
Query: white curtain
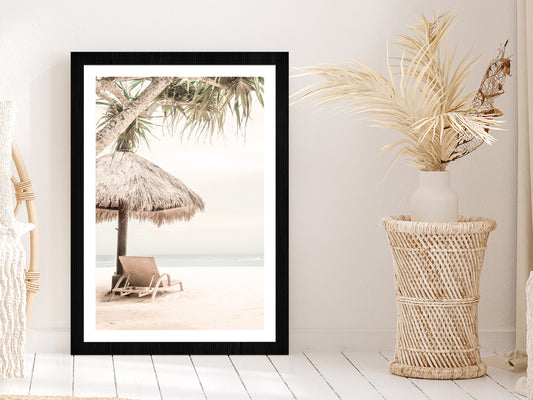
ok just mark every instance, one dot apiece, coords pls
pixel 524 62
pixel 517 359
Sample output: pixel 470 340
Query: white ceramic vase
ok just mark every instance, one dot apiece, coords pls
pixel 434 200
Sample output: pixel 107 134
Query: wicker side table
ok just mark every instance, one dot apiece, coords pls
pixel 437 268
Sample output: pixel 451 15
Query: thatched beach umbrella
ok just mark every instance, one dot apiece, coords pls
pixel 130 186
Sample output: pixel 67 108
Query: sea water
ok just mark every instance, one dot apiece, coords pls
pixel 193 260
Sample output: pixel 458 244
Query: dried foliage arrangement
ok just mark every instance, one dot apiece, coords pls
pixel 423 96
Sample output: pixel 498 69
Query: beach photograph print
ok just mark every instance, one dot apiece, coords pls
pixel 181 171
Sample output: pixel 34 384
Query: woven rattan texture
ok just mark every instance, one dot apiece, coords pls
pixel 437 267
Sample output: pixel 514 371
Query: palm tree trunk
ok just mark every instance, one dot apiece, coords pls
pixel 119 123
pixel 122 239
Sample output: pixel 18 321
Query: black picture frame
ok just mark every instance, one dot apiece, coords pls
pixel 78 62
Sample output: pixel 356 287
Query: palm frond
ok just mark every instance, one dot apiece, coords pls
pixel 191 107
pixel 423 97
pixel 202 104
pixel 139 131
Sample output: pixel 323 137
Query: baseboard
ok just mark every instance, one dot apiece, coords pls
pixel 498 341
pixel 48 341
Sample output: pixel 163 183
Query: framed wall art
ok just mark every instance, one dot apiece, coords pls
pixel 179 203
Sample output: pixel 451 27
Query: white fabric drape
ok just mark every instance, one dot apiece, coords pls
pixel 12 260
pixel 525 164
pixel 524 249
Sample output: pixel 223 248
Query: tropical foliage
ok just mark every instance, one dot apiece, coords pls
pixel 189 107
pixel 423 96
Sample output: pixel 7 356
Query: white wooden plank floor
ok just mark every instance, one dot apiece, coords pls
pixel 313 376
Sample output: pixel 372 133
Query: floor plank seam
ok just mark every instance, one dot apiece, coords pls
pixel 467 392
pixel 114 375
pixel 419 388
pixel 322 376
pixel 156 377
pixel 460 387
pixel 198 377
pixel 409 379
pixel 363 375
pixel 281 377
pixel 240 378
pixel 503 387
pixel 32 369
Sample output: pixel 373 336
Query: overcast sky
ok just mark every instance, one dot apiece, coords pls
pixel 227 174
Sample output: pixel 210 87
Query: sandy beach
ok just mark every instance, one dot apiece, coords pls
pixel 214 298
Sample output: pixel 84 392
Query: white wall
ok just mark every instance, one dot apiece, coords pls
pixel 341 289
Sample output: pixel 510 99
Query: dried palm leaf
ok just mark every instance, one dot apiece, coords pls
pixel 422 97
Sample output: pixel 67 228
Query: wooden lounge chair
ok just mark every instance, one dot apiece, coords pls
pixel 141 276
